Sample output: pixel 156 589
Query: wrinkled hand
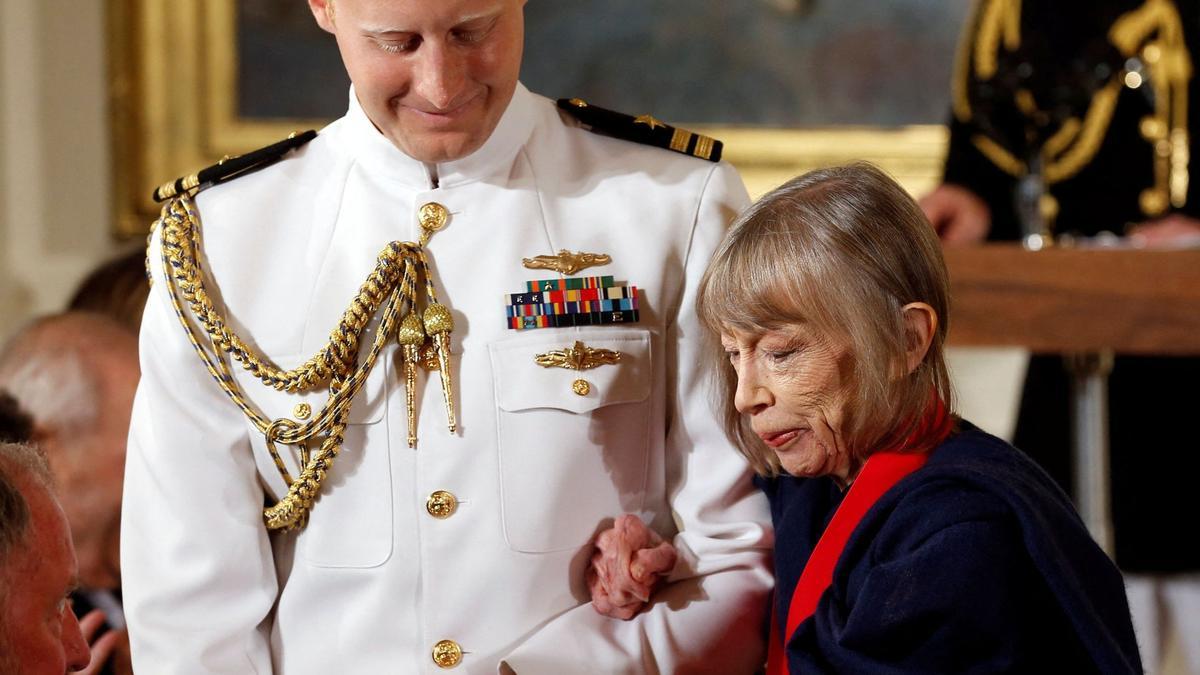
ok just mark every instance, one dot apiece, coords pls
pixel 958 215
pixel 106 647
pixel 629 561
pixel 1173 231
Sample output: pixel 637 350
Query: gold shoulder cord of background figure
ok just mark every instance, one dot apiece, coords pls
pixel 1153 34
pixel 391 288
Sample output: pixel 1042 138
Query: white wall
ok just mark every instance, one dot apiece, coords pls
pixel 55 173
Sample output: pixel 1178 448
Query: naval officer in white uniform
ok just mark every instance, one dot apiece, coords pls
pixel 466 553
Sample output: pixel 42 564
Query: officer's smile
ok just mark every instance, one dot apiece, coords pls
pixel 451 114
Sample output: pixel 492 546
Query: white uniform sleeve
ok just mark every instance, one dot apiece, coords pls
pixel 711 617
pixel 197 572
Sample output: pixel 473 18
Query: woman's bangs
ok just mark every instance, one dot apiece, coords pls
pixel 756 285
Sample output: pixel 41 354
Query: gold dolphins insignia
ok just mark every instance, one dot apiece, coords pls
pixel 566 262
pixel 578 357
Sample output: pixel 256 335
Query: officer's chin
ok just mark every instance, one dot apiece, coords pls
pixel 437 147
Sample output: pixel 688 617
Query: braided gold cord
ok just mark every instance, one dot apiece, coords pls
pixel 390 286
pixel 180 243
pixel 962 66
pixel 1091 135
pixel 1000 22
pixel 1156 30
pixel 1155 25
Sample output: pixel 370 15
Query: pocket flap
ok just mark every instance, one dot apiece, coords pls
pixel 523 384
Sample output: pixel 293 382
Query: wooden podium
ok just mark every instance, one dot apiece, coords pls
pixel 1088 304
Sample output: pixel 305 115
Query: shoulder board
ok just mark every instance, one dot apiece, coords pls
pixel 232 167
pixel 643 129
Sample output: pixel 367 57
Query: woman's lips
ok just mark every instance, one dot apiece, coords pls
pixel 778 439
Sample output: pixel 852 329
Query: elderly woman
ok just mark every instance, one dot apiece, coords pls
pixel 907 540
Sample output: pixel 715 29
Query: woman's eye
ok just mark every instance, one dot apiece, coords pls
pixel 780 355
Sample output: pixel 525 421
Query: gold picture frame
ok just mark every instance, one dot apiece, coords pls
pixel 174 109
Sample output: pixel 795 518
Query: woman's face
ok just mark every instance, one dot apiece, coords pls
pixel 795 387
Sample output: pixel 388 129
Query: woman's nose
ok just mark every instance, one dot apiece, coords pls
pixel 752 395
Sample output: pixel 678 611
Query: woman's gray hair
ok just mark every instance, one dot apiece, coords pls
pixel 843 249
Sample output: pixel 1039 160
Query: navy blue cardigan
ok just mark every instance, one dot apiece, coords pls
pixel 975 563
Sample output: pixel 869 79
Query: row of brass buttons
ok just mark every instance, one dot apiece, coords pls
pixel 441 504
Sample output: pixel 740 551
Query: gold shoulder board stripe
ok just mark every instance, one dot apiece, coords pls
pixel 643 129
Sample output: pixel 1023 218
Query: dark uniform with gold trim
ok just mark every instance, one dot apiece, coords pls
pixel 1069 61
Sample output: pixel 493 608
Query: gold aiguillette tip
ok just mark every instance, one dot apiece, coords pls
pixel 439 324
pixel 411 336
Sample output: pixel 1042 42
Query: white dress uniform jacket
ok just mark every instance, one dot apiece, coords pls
pixel 374 581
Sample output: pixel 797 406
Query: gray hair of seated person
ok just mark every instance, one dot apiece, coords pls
pixel 19 464
pixel 843 249
pixel 49 367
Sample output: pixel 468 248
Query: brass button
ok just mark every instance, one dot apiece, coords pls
pixel 581 387
pixel 302 411
pixel 433 216
pixel 447 654
pixel 441 504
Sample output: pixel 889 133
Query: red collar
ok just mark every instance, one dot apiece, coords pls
pixel 879 474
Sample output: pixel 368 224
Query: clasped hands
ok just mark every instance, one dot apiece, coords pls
pixel 628 562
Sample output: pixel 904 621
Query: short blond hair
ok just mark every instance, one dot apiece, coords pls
pixel 843 249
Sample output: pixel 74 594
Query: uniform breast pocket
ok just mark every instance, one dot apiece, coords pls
pixel 351 522
pixel 573 443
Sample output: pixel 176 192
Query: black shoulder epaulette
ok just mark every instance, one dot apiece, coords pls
pixel 643 129
pixel 232 167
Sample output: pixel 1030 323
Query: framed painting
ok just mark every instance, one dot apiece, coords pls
pixel 788 85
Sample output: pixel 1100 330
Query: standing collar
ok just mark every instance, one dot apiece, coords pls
pixel 371 148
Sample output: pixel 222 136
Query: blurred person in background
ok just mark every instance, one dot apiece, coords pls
pixel 1072 120
pixel 15 425
pixel 39 632
pixel 75 375
pixel 117 288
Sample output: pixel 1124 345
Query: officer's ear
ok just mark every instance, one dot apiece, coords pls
pixel 323 12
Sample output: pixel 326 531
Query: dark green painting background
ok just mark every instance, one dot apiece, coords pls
pixel 780 63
